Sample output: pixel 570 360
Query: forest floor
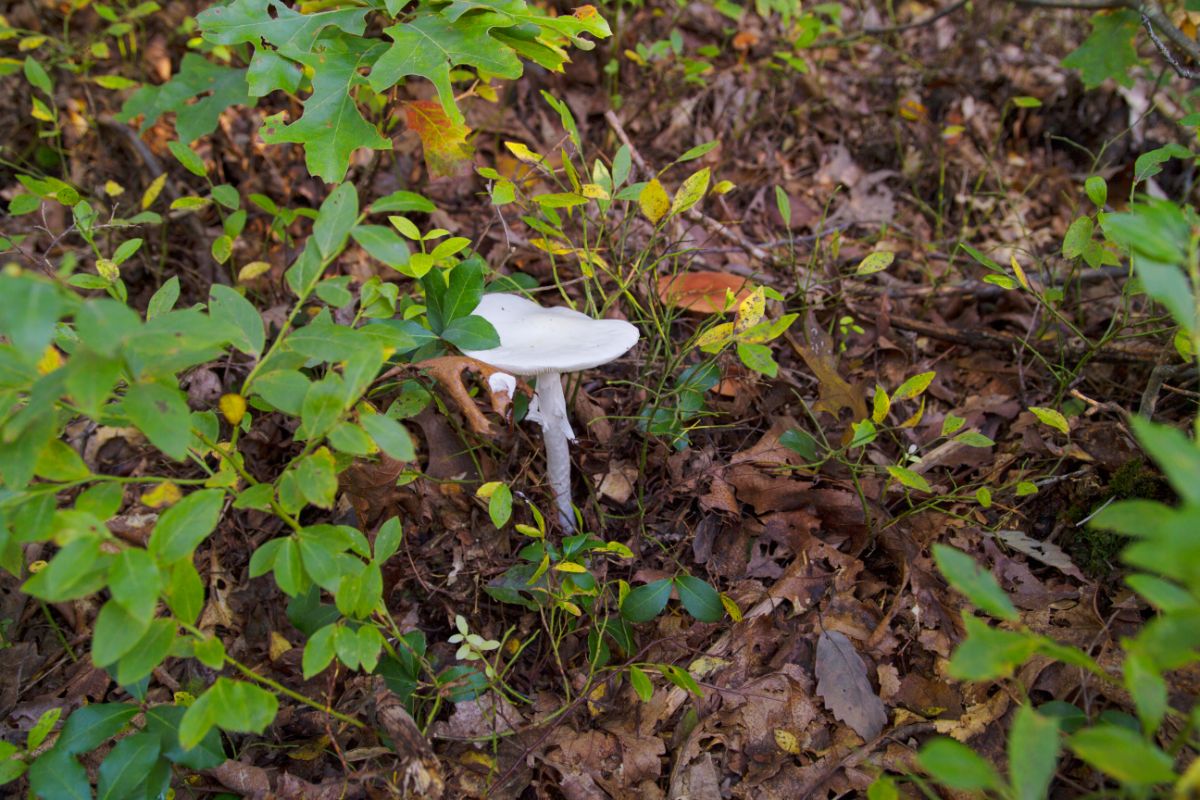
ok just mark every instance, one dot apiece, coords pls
pixel 910 142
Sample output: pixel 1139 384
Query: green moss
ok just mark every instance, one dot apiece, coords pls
pixel 1095 551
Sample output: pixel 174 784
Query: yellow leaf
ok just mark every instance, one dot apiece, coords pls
pixel 233 406
pixel 1020 273
pixel 310 750
pixel 113 189
pixel 594 698
pixel 278 645
pixel 30 43
pixel 253 270
pixel 107 269
pixel 787 741
pixel 594 191
pixel 912 421
pixel 37 566
pixel 488 489
pixel 41 111
pixel 691 192
pixel 715 337
pixel 523 153
pixel 153 191
pixel 731 608
pixel 881 405
pixel 751 310
pixel 570 566
pixel 51 360
pixel 724 187
pixel 654 201
pixel 162 495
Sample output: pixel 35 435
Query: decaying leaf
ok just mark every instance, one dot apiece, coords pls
pixel 444 140
pixel 702 292
pixel 836 392
pixel 1046 552
pixel 448 370
pixel 842 683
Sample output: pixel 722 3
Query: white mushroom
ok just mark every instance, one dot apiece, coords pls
pixel 544 343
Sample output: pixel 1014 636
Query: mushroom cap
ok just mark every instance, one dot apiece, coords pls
pixel 535 340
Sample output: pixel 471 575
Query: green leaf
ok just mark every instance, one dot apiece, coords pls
pixel 29 310
pixel 336 219
pixel 182 527
pixel 402 202
pixel 910 479
pixel 210 652
pixel 246 329
pixel 1097 191
pixel 270 72
pixel 162 414
pixel 913 387
pixel 37 76
pixel 317 474
pixel 252 21
pixel 691 192
pixel 390 435
pixel 471 333
pixel 758 358
pixel 332 127
pixel 284 389
pixel 387 541
pixel 77 571
pixel 37 734
pixel 640 683
pixel 58 461
pixel 647 601
pixel 163 721
pixel 966 576
pixel 957 766
pixel 1122 754
pixel 115 633
pixel 59 776
pixel 681 678
pixel 454 295
pixel 148 653
pixel 126 766
pixel 700 599
pixel 432 44
pixel 105 325
pixel 11 765
pixel 1055 419
pixel 1109 51
pixel 1079 235
pixel 1175 453
pixel 164 299
pixel 319 651
pixel 875 262
pixel 89 726
pixel 322 406
pixel 230 705
pixel 1032 753
pixel 383 243
pixel 500 505
pixel 184 592
pixel 195 115
pixel 188 158
pixel 989 653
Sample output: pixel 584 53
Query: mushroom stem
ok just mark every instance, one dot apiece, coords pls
pixel 557 434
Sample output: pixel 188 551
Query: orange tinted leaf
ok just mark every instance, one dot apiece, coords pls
pixel 702 292
pixel 445 141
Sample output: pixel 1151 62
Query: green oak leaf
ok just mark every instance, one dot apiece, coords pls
pixel 252 21
pixel 1109 51
pixel 222 87
pixel 331 127
pixel 570 27
pixel 270 71
pixel 430 45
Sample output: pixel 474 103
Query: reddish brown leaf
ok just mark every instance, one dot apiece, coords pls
pixel 702 292
pixel 445 141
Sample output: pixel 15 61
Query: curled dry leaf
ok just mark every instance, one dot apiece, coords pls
pixel 702 292
pixel 842 683
pixel 448 370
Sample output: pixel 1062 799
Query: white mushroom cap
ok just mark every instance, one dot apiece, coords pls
pixel 535 340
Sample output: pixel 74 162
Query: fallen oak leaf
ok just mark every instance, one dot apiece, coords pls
pixel 448 370
pixel 843 684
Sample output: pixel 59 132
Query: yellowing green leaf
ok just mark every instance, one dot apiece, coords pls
pixel 914 386
pixel 1048 416
pixel 444 140
pixel 875 262
pixel 654 201
pixel 691 192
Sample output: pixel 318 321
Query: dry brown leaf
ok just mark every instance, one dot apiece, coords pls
pixel 842 683
pixel 702 292
pixel 1045 552
pixel 836 392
